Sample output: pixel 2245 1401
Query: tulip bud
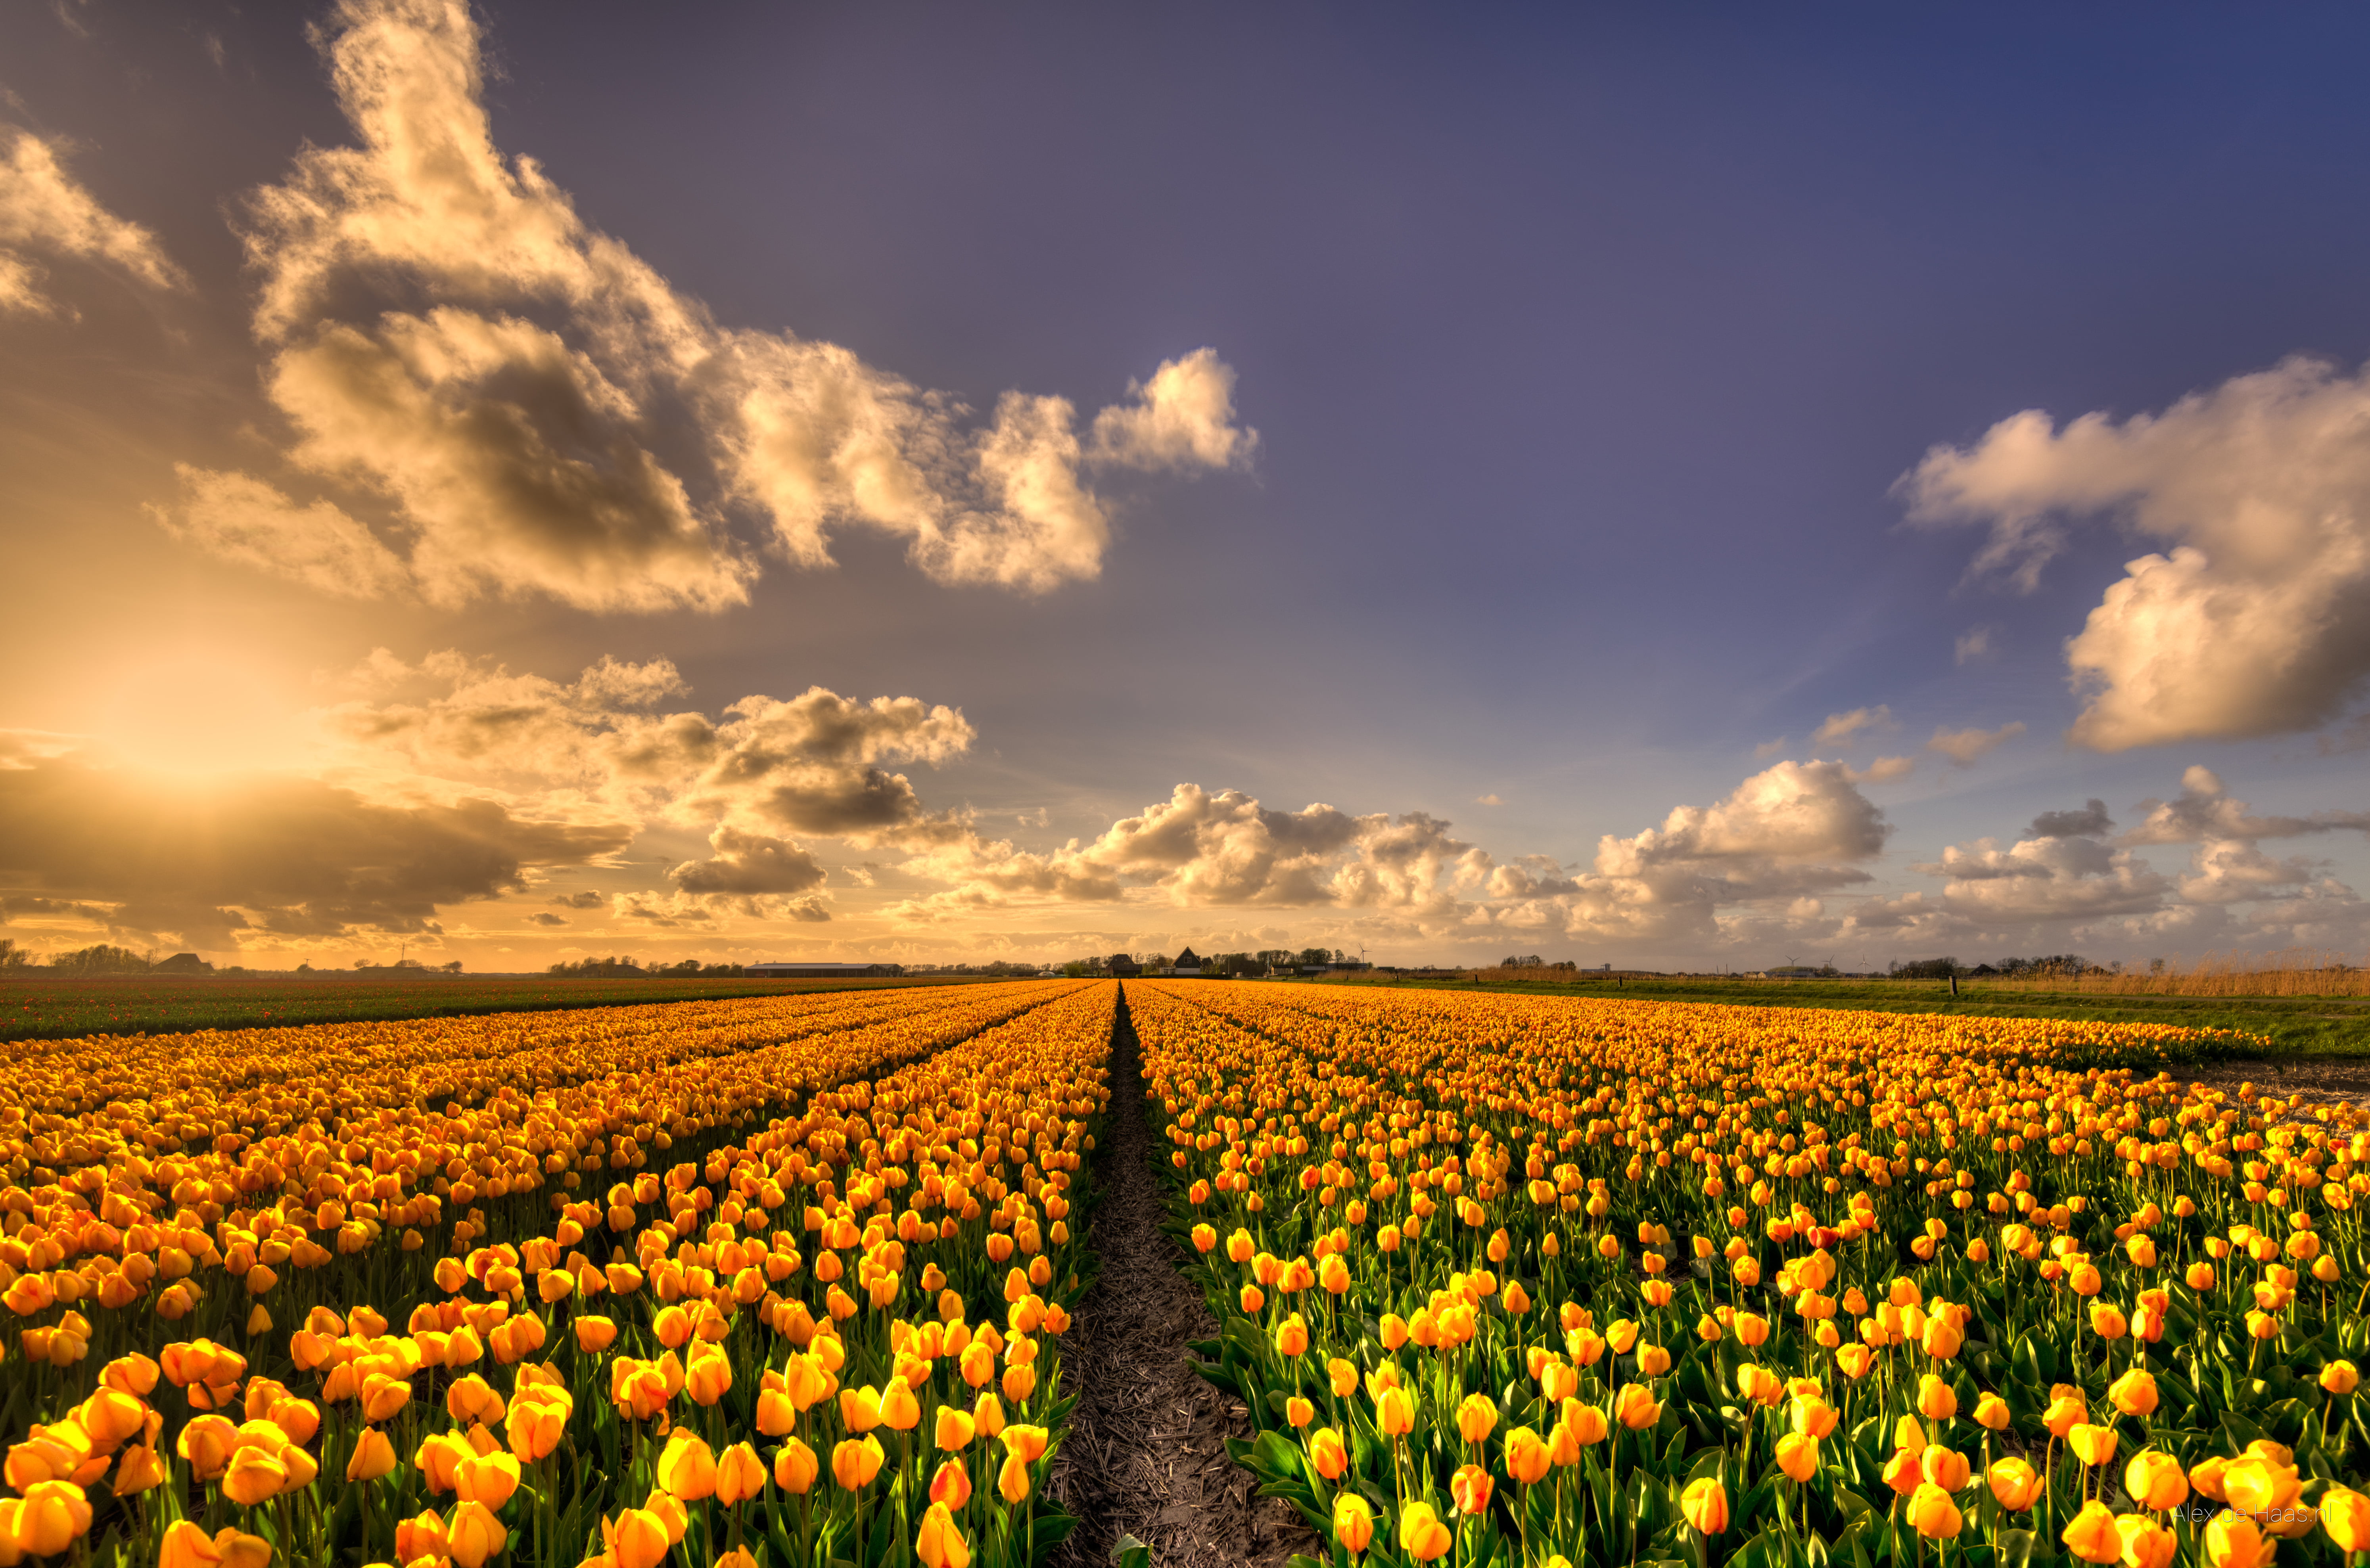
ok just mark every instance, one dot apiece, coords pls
pixel 2154 1480
pixel 1705 1504
pixel 1932 1513
pixel 1353 1522
pixel 2091 1534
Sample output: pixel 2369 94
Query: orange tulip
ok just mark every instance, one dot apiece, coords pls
pixel 1353 1522
pixel 2091 1534
pixel 856 1461
pixel 940 1542
pixel 1421 1535
pixel 374 1455
pixel 739 1475
pixel 1705 1505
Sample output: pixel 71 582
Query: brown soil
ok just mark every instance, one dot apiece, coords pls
pixel 2306 1083
pixel 1145 1455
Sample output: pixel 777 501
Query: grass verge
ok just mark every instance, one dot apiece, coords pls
pixel 2288 1026
pixel 145 1004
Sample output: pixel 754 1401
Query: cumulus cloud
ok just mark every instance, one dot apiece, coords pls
pixel 1487 800
pixel 1202 849
pixel 1963 747
pixel 2227 871
pixel 276 855
pixel 44 209
pixel 2088 822
pixel 535 410
pixel 2044 879
pixel 246 521
pixel 1973 645
pixel 749 864
pixel 814 763
pixel 1841 727
pixel 2205 810
pixel 2256 618
pixel 1792 812
pixel 1183 419
pixel 1786 835
pixel 546 918
pixel 2069 882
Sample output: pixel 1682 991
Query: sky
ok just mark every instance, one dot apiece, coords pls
pixel 1681 486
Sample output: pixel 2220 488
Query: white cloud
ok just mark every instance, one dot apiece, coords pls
pixel 2227 871
pixel 2068 884
pixel 1841 727
pixel 2256 619
pixel 450 338
pixel 45 209
pixel 1768 748
pixel 1183 419
pixel 1204 848
pixel 1972 645
pixel 247 521
pixel 1487 800
pixel 812 763
pixel 513 459
pixel 1963 747
pixel 1785 835
pixel 1792 812
pixel 1885 769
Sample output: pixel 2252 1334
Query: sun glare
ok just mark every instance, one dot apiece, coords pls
pixel 201 712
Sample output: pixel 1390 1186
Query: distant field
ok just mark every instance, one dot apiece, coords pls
pixel 50 1010
pixel 2288 1025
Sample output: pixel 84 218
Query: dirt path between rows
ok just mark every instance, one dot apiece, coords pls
pixel 1145 1455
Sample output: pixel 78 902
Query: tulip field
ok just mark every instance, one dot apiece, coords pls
pixel 1528 1281
pixel 1497 1279
pixel 768 1280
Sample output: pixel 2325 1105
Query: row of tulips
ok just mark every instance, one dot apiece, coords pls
pixel 1511 1279
pixel 814 1315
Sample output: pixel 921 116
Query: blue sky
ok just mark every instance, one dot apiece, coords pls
pixel 1590 355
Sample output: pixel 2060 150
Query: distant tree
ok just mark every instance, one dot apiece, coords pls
pixel 1314 957
pixel 13 957
pixel 101 959
pixel 1232 964
pixel 600 970
pixel 1926 969
pixel 452 968
pixel 1533 962
pixel 1276 957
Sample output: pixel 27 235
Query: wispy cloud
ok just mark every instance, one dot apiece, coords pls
pixel 1840 728
pixel 1965 747
pixel 46 210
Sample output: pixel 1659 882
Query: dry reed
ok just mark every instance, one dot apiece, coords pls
pixel 2295 971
